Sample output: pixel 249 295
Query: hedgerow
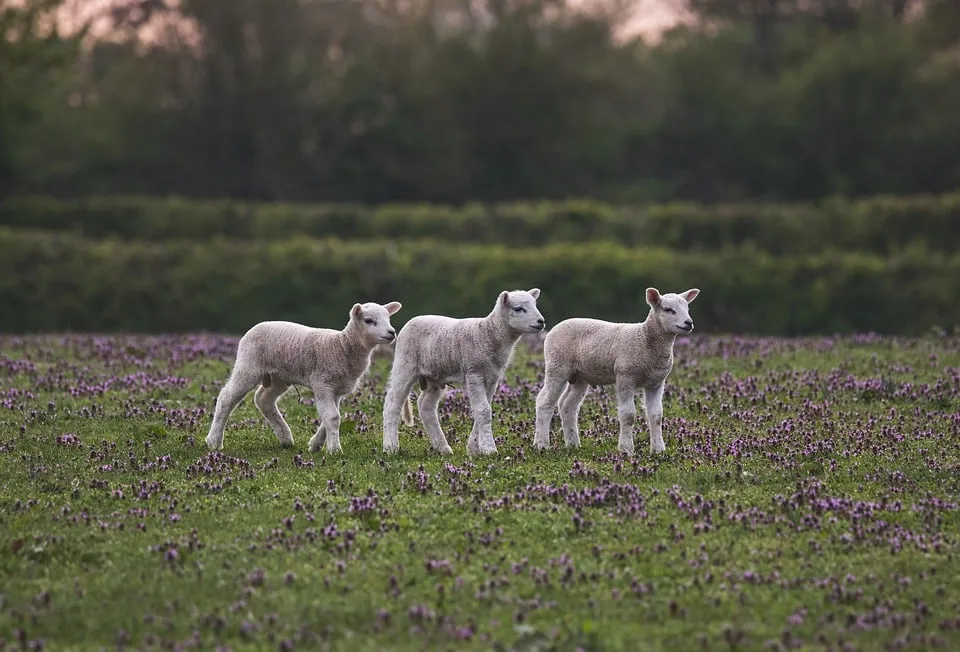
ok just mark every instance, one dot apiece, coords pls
pixel 63 281
pixel 879 225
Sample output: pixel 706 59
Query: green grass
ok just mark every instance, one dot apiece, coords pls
pixel 808 498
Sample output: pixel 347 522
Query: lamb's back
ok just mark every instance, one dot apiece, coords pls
pixel 436 344
pixel 286 349
pixel 586 348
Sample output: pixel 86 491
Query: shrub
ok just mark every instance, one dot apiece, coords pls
pixel 880 225
pixel 61 281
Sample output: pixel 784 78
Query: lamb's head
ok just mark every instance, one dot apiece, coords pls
pixel 373 321
pixel 519 309
pixel 672 311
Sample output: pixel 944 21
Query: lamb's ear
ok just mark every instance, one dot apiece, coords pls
pixel 504 298
pixel 535 293
pixel 653 296
pixel 356 311
pixel 393 307
pixel 690 294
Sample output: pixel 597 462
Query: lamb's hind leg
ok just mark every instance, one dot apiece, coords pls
pixel 427 405
pixel 570 404
pixel 653 402
pixel 553 386
pixel 241 381
pixel 266 401
pixel 398 392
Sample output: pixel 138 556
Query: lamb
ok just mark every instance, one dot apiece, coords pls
pixel 475 352
pixel 278 354
pixel 580 352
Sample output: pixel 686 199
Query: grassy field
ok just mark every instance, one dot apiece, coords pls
pixel 808 499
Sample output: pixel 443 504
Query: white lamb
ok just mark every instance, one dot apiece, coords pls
pixel 637 356
pixel 435 351
pixel 278 354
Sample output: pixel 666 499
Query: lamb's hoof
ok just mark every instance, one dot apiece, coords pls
pixel 484 450
pixel 286 443
pixel 625 449
pixel 391 449
pixel 315 446
pixel 446 450
pixel 572 442
pixel 213 444
pixel 656 450
pixel 541 445
pixel 334 450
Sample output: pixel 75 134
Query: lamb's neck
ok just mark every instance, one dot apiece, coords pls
pixel 498 332
pixel 353 342
pixel 655 338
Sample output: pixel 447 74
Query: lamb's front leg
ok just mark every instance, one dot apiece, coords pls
pixel 653 400
pixel 266 401
pixel 481 437
pixel 627 413
pixel 328 407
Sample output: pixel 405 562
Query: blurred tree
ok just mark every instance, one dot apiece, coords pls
pixel 769 17
pixel 863 118
pixel 459 100
pixel 941 24
pixel 33 56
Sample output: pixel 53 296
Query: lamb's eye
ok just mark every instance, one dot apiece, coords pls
pixel 519 309
pixel 670 311
pixel 367 320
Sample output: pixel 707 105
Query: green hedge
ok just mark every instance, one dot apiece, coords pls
pixel 880 225
pixel 54 282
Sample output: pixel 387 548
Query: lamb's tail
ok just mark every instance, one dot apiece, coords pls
pixel 407 414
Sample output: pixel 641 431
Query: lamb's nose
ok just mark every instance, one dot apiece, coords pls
pixel 391 333
pixel 689 322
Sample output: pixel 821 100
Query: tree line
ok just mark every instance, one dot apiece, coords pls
pixel 453 101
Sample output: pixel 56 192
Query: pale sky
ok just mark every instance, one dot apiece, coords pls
pixel 651 16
